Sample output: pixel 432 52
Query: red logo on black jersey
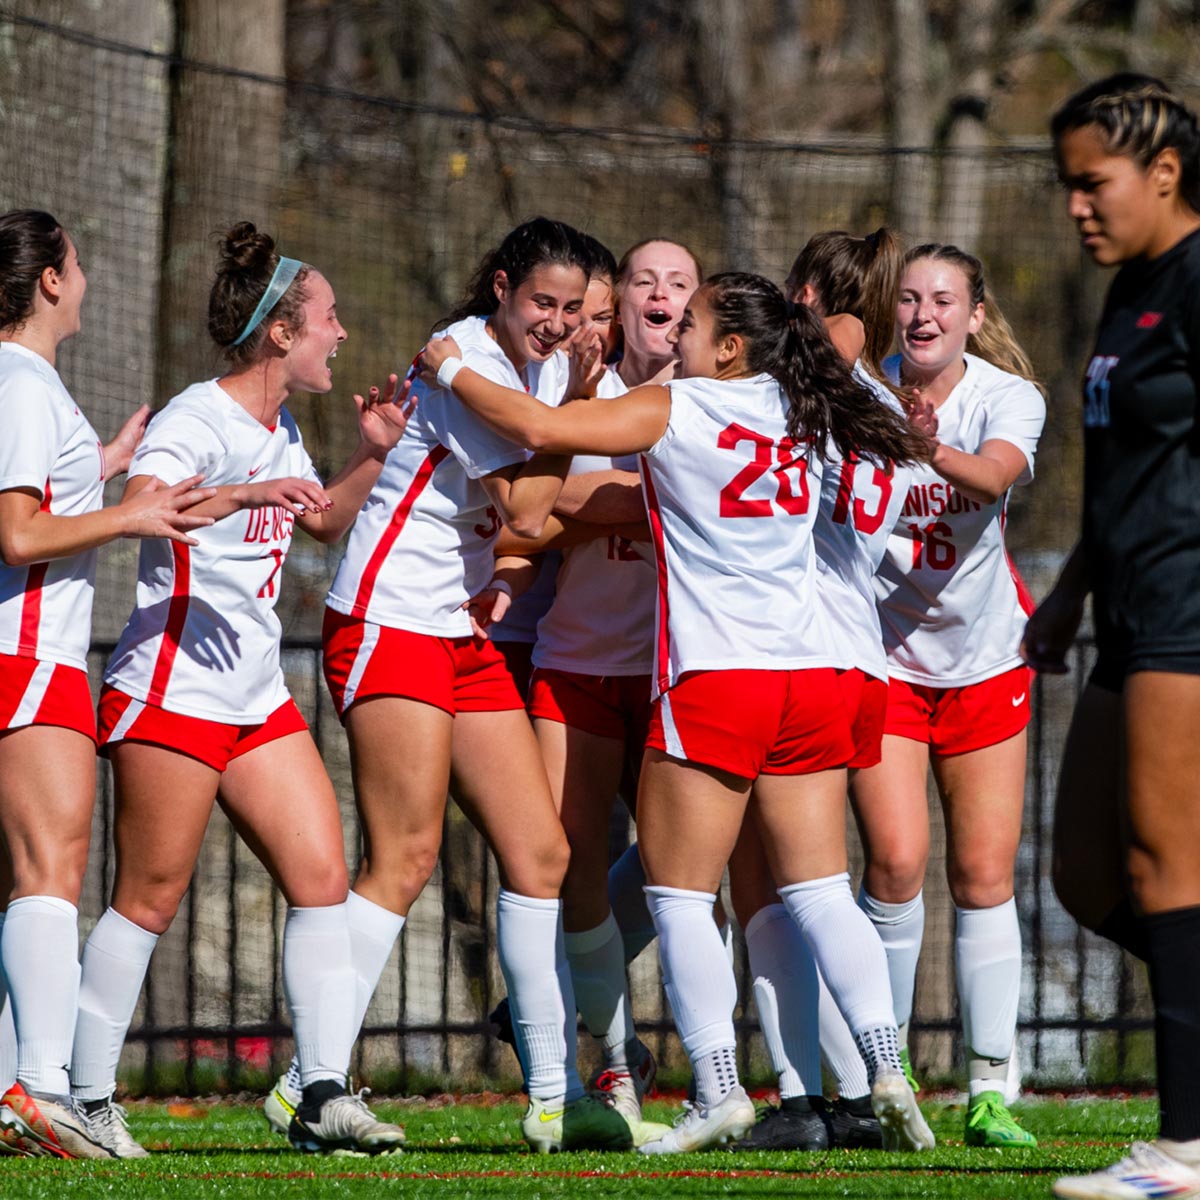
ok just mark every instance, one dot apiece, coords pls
pixel 1148 320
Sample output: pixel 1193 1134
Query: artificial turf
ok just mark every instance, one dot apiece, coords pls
pixel 465 1149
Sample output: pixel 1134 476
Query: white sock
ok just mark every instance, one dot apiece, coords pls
pixel 373 932
pixel 838 1049
pixel 40 949
pixel 8 1031
pixel 696 974
pixel 321 988
pixel 900 928
pixel 785 992
pixel 529 942
pixel 627 900
pixel 597 961
pixel 115 959
pixel 987 961
pixel 848 951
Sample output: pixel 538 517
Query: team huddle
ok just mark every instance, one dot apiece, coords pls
pixel 631 531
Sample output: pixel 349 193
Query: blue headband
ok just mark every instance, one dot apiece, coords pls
pixel 285 271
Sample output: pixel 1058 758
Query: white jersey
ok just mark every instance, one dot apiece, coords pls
pixel 48 446
pixel 203 638
pixel 422 544
pixel 732 501
pixel 859 506
pixel 602 618
pixel 950 602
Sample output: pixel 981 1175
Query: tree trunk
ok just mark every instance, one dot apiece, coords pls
pixel 909 103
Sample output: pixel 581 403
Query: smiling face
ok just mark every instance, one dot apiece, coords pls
pixel 652 295
pixel 1117 206
pixel 934 317
pixel 693 339
pixel 72 285
pixel 309 351
pixel 539 314
pixel 598 308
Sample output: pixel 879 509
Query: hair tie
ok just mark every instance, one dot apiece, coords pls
pixel 281 279
pixel 872 240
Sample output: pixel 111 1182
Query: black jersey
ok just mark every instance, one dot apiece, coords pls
pixel 1141 524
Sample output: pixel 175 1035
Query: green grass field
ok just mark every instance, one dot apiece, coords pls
pixel 224 1149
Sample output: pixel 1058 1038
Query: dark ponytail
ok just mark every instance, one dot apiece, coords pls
pixel 825 400
pixel 30 241
pixel 536 243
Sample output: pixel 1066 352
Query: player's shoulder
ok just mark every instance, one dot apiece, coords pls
pixel 24 373
pixel 201 410
pixel 994 385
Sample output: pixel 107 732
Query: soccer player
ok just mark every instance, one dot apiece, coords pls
pixel 730 484
pixel 195 706
pixel 1127 824
pixel 852 283
pixel 422 697
pixel 952 610
pixel 52 473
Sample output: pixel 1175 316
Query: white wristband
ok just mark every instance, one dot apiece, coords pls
pixel 501 585
pixel 447 372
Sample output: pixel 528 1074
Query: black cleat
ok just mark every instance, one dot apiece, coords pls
pixel 786 1128
pixel 852 1125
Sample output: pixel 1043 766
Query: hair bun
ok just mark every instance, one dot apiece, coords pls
pixel 243 248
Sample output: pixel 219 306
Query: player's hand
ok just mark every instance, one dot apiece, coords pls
pixel 585 351
pixel 436 351
pixel 1050 632
pixel 382 416
pixel 158 511
pixel 296 495
pixel 923 415
pixel 119 452
pixel 487 609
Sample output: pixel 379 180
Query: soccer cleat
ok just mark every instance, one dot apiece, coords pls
pixel 1150 1172
pixel 280 1106
pixel 624 1089
pixel 900 1120
pixel 906 1063
pixel 109 1125
pixel 343 1125
pixel 585 1124
pixel 785 1129
pixel 699 1127
pixel 850 1128
pixel 989 1123
pixel 49 1126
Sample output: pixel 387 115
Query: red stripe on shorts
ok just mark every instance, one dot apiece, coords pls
pixel 31 606
pixel 177 610
pixel 660 554
pixel 395 525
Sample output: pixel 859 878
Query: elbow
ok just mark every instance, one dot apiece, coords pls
pixel 14 553
pixel 526 525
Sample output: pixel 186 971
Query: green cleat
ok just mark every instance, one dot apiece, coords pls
pixel 584 1124
pixel 989 1123
pixel 906 1063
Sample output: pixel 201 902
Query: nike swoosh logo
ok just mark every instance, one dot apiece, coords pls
pixel 547 1117
pixel 257 469
pixel 1017 699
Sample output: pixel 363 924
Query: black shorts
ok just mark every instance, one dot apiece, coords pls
pixel 1114 664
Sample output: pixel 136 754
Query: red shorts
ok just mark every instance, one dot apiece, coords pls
pixel 753 723
pixel 124 719
pixel 35 692
pixel 611 706
pixel 865 699
pixel 955 720
pixel 461 674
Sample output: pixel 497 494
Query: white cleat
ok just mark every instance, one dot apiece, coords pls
pixel 900 1118
pixel 280 1106
pixel 344 1125
pixel 585 1124
pixel 699 1127
pixel 110 1127
pixel 1151 1172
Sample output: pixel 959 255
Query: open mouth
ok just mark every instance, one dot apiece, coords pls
pixel 543 343
pixel 657 317
pixel 922 338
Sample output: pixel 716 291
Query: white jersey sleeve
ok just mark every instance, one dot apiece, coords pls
pixel 732 500
pixel 602 618
pixel 423 542
pixel 50 448
pixel 951 605
pixel 860 503
pixel 203 638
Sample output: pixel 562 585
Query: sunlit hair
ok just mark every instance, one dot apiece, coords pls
pixel 603 264
pixel 1138 116
pixel 30 241
pixel 995 342
pixel 247 261
pixel 537 243
pixel 855 275
pixel 623 267
pixel 825 400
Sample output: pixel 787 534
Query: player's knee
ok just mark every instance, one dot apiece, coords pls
pixel 153 906
pixel 320 885
pixel 896 875
pixel 400 875
pixel 538 869
pixel 52 870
